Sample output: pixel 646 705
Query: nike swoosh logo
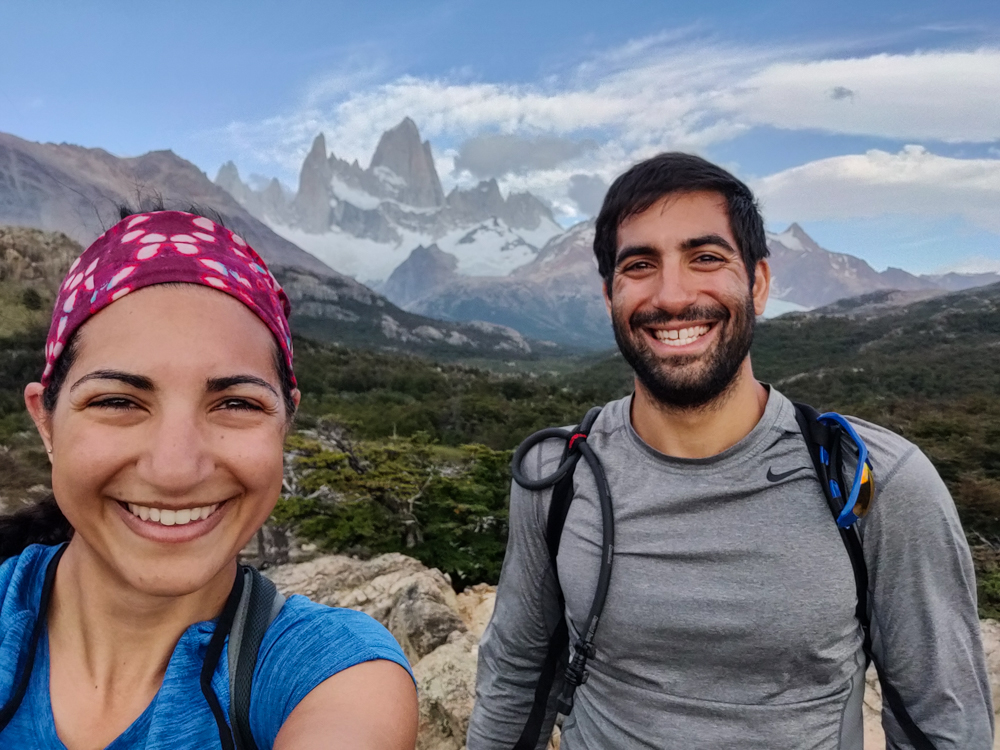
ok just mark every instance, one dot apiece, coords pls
pixel 772 477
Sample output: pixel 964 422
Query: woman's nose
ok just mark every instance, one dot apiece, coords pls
pixel 176 457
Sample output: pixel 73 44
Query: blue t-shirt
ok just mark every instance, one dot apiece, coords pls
pixel 306 644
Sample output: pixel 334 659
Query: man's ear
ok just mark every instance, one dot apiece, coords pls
pixel 34 401
pixel 761 286
pixel 607 297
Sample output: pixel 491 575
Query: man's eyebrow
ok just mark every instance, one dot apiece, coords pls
pixel 136 381
pixel 633 251
pixel 708 239
pixel 216 385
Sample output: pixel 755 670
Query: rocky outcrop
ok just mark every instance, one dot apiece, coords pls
pixel 312 202
pixel 415 603
pixel 400 152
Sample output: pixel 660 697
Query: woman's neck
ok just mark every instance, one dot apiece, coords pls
pixel 110 644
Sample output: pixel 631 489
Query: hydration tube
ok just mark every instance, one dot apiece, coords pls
pixel 576 446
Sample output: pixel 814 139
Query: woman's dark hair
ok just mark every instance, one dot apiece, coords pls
pixel 44 522
pixel 666 174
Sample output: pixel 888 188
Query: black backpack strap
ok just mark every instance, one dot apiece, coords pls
pixel 557 654
pixel 820 435
pixel 252 605
pixel 259 604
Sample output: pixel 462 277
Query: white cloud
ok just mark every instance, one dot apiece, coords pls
pixel 946 96
pixel 911 182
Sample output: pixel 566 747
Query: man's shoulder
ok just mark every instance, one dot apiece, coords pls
pixel 542 458
pixel 888 451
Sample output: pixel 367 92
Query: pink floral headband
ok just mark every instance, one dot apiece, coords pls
pixel 165 247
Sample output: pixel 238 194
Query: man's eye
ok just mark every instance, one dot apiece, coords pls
pixel 709 258
pixel 641 265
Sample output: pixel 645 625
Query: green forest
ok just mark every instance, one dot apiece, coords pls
pixel 393 452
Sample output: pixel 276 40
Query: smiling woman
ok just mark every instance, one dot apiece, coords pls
pixel 167 393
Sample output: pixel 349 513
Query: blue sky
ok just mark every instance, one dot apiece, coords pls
pixel 876 125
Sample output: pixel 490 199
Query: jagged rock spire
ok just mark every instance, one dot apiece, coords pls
pixel 312 203
pixel 401 151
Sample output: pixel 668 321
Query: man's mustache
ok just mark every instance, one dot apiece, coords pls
pixel 643 318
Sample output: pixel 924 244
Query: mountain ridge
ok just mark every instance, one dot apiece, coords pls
pixel 364 221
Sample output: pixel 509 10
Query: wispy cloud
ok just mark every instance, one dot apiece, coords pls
pixel 943 96
pixel 912 182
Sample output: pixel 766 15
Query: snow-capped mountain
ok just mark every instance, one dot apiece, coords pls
pixel 557 296
pixel 365 222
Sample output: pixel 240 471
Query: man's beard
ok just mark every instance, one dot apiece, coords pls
pixel 664 377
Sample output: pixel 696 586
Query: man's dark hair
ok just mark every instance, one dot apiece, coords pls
pixel 672 173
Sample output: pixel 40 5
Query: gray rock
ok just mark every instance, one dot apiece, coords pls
pixel 400 151
pixel 312 202
pixel 421 274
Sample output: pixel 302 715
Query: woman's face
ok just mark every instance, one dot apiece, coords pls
pixel 167 435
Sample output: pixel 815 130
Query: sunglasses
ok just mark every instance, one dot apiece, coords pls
pixel 859 500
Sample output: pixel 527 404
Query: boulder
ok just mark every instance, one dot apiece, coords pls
pixel 447 680
pixel 416 604
pixel 475 607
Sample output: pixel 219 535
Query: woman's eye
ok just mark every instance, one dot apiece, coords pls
pixel 238 404
pixel 113 402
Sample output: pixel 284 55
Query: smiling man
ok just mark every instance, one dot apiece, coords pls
pixel 730 620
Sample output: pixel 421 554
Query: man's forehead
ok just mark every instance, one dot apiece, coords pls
pixel 677 217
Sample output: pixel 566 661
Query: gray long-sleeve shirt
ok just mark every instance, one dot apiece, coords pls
pixel 730 618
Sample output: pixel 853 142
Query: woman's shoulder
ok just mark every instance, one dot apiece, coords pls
pixel 21 580
pixel 343 635
pixel 305 645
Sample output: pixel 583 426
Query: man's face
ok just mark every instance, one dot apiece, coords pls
pixel 680 303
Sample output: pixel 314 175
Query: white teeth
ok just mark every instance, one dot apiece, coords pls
pixel 166 517
pixel 682 336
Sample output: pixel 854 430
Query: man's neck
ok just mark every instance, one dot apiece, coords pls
pixel 706 431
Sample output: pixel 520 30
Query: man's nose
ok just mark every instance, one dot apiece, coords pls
pixel 675 291
pixel 176 458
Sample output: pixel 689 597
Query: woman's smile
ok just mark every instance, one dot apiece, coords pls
pixel 166 525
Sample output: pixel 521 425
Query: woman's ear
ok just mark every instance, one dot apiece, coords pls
pixel 34 400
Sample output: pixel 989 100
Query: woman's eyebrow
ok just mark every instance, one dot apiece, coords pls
pixel 136 381
pixel 215 385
